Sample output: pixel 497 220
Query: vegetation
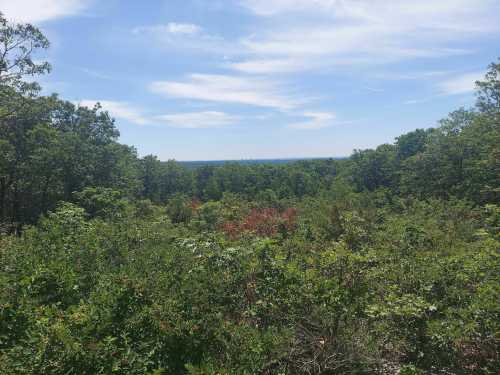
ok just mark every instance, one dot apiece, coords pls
pixel 385 262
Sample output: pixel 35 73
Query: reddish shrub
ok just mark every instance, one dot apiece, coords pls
pixel 262 222
pixel 231 229
pixel 195 204
pixel 266 222
pixel 289 219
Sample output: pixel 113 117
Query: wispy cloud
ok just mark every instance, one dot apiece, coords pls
pixel 36 11
pixel 191 120
pixel 420 101
pixel 464 83
pixel 416 75
pixel 94 73
pixel 315 120
pixel 332 32
pixel 373 89
pixel 267 66
pixel 120 110
pixel 198 120
pixel 445 14
pixel 183 36
pixel 169 28
pixel 227 89
pixel 461 84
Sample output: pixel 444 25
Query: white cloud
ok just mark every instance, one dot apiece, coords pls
pixel 272 7
pixel 315 120
pixel 266 66
pixel 227 89
pixel 418 75
pixel 182 28
pixel 120 110
pixel 461 84
pixel 191 120
pixel 443 14
pixel 420 101
pixel 183 36
pixel 198 120
pixel 332 32
pixel 36 11
pixel 169 28
pixel 373 89
pixel 94 73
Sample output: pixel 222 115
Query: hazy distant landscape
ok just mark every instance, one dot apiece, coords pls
pixel 117 259
pixel 200 163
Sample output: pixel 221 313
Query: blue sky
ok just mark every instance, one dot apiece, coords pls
pixel 240 79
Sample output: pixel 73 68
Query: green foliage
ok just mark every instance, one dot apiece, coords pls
pixel 384 263
pixel 179 209
pixel 413 291
pixel 101 202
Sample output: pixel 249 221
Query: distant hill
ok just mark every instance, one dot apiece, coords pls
pixel 202 163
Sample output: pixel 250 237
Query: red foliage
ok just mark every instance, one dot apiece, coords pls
pixel 289 218
pixel 261 222
pixel 266 222
pixel 231 229
pixel 195 204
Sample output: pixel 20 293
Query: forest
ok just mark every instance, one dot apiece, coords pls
pixel 385 262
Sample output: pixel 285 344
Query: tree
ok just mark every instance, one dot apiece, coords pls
pixel 373 169
pixel 151 170
pixel 52 150
pixel 488 96
pixel 18 43
pixel 412 143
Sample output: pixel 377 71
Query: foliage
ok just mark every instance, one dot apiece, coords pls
pixel 385 262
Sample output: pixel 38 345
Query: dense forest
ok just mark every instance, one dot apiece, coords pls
pixel 386 262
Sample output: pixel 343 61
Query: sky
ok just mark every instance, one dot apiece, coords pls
pixel 253 79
